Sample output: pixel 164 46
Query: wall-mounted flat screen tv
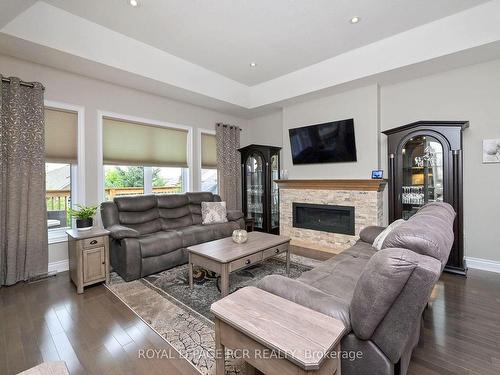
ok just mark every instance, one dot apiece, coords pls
pixel 330 142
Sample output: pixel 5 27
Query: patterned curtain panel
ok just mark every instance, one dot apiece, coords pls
pixel 228 165
pixel 23 216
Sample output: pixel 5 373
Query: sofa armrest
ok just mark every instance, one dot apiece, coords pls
pixel 308 296
pixel 119 232
pixel 368 234
pixel 125 257
pixel 234 215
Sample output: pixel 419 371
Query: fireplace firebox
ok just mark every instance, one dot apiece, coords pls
pixel 324 217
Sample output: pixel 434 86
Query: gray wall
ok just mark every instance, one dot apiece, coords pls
pixel 265 130
pixel 97 95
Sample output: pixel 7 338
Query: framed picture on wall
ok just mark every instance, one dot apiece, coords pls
pixel 491 150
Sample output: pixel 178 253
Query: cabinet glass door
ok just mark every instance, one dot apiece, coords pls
pixel 254 175
pixel 422 174
pixel 275 204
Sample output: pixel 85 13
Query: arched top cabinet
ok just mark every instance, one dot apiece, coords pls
pixel 260 166
pixel 425 165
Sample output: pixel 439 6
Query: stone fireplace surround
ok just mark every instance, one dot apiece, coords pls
pixel 366 196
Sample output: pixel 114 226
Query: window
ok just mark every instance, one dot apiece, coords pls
pixel 127 180
pixel 122 180
pixel 61 134
pixel 142 159
pixel 208 177
pixel 209 180
pixel 58 196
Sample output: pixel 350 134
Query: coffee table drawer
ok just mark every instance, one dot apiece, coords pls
pixel 245 262
pixel 274 250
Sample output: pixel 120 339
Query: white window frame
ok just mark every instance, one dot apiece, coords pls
pixel 200 132
pixel 77 170
pixel 148 174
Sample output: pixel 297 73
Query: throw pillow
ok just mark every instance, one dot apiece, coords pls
pixel 379 240
pixel 213 212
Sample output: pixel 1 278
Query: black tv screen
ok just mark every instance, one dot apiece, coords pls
pixel 331 142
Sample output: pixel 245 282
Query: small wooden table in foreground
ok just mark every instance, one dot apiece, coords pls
pixel 225 256
pixel 279 336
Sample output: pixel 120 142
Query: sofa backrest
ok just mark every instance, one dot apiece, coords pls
pixel 390 297
pixel 152 213
pixel 174 211
pixel 139 212
pixel 195 200
pixel 428 232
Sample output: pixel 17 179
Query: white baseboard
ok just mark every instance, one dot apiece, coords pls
pixel 483 264
pixel 60 266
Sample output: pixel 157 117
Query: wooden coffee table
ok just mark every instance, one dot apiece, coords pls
pixel 277 336
pixel 225 256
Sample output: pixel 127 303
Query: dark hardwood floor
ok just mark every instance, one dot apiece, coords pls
pixel 95 333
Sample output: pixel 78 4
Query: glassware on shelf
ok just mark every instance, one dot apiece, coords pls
pixel 413 195
pixel 422 180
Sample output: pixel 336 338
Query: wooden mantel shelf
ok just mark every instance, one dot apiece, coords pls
pixel 359 185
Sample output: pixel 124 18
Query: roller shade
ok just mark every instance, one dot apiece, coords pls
pixel 208 151
pixel 61 136
pixel 129 143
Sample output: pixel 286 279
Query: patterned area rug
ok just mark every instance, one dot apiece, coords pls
pixel 182 316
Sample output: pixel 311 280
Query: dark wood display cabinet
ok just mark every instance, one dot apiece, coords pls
pixel 260 167
pixel 425 165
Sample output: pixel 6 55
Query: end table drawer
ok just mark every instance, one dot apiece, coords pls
pixel 245 262
pixel 275 250
pixel 90 243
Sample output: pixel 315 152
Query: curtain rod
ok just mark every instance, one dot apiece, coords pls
pixel 22 83
pixel 229 126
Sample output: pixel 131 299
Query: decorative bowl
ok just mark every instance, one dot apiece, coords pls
pixel 240 236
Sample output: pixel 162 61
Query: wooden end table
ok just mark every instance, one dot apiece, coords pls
pixel 297 340
pixel 88 257
pixel 225 256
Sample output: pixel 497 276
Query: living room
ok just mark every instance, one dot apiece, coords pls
pixel 146 118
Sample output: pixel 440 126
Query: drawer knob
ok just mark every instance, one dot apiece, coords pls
pixel 93 242
pixel 248 261
pixel 277 251
pixel 103 262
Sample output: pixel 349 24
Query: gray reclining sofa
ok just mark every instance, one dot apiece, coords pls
pixel 150 233
pixel 378 295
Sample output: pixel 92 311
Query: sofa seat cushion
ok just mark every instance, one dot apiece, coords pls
pixel 223 230
pixel 159 243
pixel 307 296
pixel 336 276
pixel 195 234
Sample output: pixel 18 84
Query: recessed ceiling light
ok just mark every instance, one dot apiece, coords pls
pixel 253 64
pixel 134 3
pixel 355 20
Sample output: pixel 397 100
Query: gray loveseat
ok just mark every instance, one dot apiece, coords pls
pixel 150 233
pixel 378 295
